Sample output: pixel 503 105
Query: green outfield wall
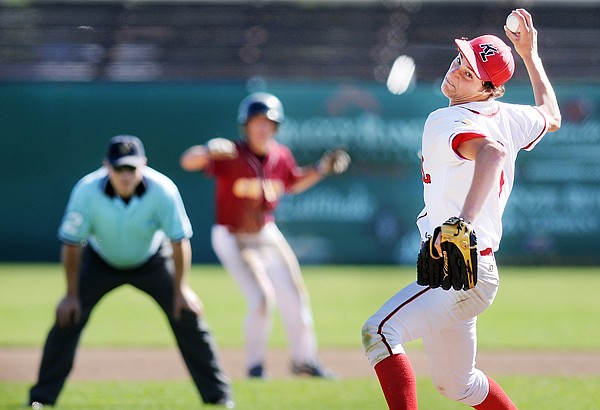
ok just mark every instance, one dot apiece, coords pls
pixel 54 133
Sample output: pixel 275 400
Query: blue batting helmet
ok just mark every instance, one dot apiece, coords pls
pixel 260 104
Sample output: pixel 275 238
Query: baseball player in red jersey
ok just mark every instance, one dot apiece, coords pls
pixel 468 158
pixel 251 176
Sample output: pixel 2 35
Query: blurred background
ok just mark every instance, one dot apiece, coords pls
pixel 358 74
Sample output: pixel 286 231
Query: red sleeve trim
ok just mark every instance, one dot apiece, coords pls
pixel 462 137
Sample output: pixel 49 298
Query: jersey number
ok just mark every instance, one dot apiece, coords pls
pixel 255 188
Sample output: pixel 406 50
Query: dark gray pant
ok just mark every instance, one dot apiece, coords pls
pixel 96 279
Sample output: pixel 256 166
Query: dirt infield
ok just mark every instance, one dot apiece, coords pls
pixel 17 364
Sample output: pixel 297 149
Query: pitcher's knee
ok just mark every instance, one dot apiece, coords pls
pixel 451 391
pixel 378 345
pixel 468 392
pixel 369 333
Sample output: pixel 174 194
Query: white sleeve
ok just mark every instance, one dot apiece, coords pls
pixel 532 125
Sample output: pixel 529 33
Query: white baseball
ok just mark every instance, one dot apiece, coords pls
pixel 221 148
pixel 512 22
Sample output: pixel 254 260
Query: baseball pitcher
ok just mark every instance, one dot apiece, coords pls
pixel 469 151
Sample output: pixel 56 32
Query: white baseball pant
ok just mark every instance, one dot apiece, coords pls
pixel 447 321
pixel 268 274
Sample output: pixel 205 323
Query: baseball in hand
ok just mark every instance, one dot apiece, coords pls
pixel 221 148
pixel 512 22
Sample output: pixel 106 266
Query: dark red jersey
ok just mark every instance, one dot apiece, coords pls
pixel 248 188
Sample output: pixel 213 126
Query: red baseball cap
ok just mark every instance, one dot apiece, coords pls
pixel 489 57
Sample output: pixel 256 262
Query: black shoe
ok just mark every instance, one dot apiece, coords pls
pixel 257 372
pixel 226 403
pixel 313 370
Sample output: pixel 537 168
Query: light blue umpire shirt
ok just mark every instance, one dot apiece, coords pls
pixel 125 235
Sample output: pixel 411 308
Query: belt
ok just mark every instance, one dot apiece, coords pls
pixel 486 252
pixel 243 231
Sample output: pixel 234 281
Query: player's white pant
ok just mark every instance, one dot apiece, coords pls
pixel 268 274
pixel 446 320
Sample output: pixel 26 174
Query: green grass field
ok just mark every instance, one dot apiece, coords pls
pixel 530 393
pixel 536 309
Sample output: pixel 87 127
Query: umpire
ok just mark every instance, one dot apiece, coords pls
pixel 125 223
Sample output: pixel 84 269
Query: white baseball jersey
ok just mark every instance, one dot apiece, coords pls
pixel 447 175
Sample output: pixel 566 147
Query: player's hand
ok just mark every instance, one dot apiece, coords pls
pixel 221 148
pixel 68 311
pixel 437 244
pixel 187 299
pixel 336 161
pixel 525 42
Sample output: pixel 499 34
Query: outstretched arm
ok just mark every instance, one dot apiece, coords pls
pixel 197 157
pixel 525 43
pixel 310 177
pixel 335 161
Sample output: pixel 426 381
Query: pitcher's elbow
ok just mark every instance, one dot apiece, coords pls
pixel 555 123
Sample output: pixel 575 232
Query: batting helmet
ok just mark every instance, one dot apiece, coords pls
pixel 260 104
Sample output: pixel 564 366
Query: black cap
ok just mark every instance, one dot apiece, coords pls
pixel 126 150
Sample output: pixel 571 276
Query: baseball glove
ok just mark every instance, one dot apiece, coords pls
pixel 456 267
pixel 221 148
pixel 335 161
